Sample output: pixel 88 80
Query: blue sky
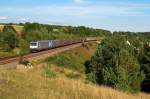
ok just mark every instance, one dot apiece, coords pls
pixel 114 15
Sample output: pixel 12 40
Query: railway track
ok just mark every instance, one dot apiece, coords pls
pixel 12 62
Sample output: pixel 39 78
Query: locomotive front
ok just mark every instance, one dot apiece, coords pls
pixel 33 45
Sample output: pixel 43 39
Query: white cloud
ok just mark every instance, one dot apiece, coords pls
pixel 3 18
pixel 23 19
pixel 90 10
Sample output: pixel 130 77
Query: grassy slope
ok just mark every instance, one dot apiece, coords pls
pixel 74 59
pixel 32 84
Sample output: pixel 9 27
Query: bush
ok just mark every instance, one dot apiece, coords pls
pixel 25 62
pixel 49 73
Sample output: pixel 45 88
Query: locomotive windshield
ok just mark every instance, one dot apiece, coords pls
pixel 33 44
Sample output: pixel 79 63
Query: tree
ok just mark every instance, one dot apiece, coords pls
pixel 116 65
pixel 9 37
pixel 24 47
pixel 36 31
pixel 145 66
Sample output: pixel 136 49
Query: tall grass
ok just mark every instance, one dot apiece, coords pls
pixel 31 85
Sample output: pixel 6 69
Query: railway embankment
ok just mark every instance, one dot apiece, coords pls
pixel 12 62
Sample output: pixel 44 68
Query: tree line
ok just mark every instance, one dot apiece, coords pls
pixel 10 39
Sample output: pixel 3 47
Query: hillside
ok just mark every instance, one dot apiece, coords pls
pixel 31 85
pixel 56 79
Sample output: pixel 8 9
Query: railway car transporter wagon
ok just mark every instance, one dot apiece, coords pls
pixel 49 44
pixel 41 45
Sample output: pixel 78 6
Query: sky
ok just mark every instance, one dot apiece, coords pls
pixel 113 15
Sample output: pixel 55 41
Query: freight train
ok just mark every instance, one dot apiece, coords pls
pixel 49 44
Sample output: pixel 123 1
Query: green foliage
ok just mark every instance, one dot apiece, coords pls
pixel 35 62
pixel 145 60
pixel 11 42
pixel 9 38
pixel 49 73
pixel 115 64
pixel 145 35
pixel 36 31
pixel 5 54
pixel 24 47
pixel 9 28
pixel 84 31
pixel 92 77
pixel 145 66
pixel 16 51
pixel 4 47
pixel 67 61
pixel 26 63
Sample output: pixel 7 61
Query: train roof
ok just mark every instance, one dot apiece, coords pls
pixel 41 40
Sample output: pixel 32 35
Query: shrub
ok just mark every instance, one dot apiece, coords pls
pixel 49 73
pixel 24 62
